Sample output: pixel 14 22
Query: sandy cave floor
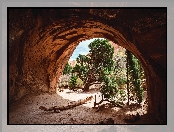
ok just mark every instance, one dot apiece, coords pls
pixel 26 111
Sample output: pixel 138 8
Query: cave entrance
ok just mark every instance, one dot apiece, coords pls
pixel 126 94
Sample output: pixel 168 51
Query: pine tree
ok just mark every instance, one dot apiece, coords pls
pixel 133 77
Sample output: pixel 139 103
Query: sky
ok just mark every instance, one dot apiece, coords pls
pixel 82 48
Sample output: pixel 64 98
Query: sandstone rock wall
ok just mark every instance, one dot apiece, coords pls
pixel 41 42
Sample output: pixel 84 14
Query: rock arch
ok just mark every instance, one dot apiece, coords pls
pixel 37 55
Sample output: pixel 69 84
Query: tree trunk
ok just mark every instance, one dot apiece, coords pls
pixel 86 87
pixel 57 109
pixel 88 82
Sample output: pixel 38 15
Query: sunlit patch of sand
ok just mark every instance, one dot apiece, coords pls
pixel 75 96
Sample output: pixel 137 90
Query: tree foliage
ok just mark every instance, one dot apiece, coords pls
pixel 97 64
pixel 110 87
pixel 134 77
pixel 73 81
pixel 82 67
pixel 67 69
pixel 101 56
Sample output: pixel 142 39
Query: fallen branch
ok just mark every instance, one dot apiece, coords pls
pixel 57 109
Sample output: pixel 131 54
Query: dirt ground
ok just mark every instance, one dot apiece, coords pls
pixel 26 111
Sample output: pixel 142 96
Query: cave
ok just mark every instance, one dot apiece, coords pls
pixel 41 41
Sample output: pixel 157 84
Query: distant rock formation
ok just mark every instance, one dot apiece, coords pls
pixel 72 63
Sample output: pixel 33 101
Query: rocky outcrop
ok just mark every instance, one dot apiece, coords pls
pixel 72 63
pixel 41 42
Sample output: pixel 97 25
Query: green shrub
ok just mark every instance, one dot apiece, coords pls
pixel 72 82
pixel 67 69
pixel 79 82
